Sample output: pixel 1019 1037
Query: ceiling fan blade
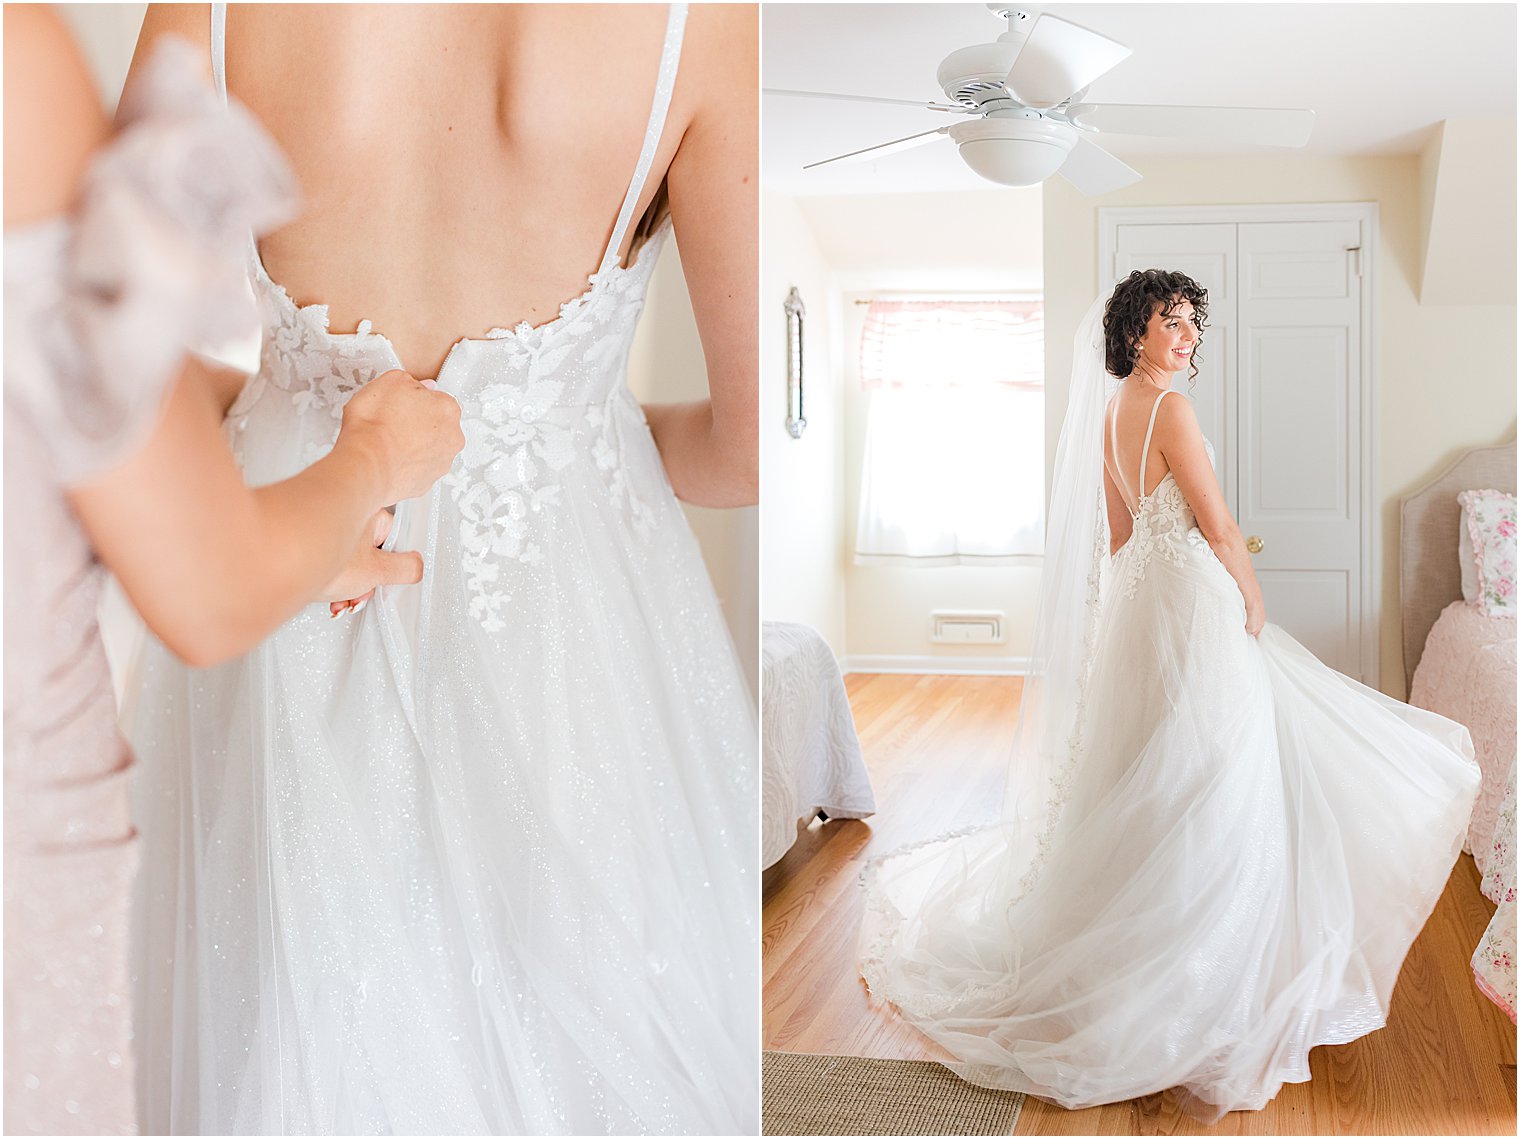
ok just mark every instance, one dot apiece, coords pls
pixel 953 108
pixel 1095 171
pixel 1265 126
pixel 882 148
pixel 1058 59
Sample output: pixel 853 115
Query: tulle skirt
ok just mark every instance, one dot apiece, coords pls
pixel 1250 844
pixel 449 867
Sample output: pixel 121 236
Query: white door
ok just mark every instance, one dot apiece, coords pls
pixel 1279 393
pixel 1297 468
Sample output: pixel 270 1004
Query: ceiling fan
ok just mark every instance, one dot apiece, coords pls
pixel 1026 90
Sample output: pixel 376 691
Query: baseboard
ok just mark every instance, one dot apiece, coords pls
pixel 944 665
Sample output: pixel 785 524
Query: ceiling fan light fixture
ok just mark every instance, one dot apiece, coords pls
pixel 1014 151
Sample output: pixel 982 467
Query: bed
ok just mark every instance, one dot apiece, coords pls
pixel 1461 663
pixel 811 757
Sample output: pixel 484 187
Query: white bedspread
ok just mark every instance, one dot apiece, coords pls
pixel 811 755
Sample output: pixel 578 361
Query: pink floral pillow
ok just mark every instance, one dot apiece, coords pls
pixel 1491 524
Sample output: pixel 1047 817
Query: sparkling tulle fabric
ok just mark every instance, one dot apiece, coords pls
pixel 99 307
pixel 481 857
pixel 1231 870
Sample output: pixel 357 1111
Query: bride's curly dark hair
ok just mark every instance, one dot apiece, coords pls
pixel 1135 299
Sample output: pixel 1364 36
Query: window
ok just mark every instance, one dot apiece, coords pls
pixel 954 469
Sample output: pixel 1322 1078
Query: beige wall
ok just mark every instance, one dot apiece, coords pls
pixel 1445 375
pixel 838 249
pixel 107 34
pixel 1467 216
pixel 800 479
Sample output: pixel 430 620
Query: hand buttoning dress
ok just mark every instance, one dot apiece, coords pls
pixel 480 857
pixel 1217 851
pixel 99 306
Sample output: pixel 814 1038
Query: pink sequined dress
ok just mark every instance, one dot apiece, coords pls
pixel 99 304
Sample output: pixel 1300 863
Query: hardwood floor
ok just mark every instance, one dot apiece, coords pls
pixel 936 746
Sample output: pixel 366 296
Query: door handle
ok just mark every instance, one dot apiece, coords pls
pixel 1254 544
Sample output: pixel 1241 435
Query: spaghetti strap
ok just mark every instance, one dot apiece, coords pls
pixel 219 49
pixel 670 58
pixel 1145 448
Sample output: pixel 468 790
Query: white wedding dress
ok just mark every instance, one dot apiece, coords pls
pixel 1239 850
pixel 480 857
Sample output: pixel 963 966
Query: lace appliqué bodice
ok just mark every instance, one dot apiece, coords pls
pixel 535 400
pixel 1164 527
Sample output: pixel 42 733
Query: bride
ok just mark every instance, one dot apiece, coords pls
pixel 479 856
pixel 1216 851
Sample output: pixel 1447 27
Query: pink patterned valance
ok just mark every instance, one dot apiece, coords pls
pixel 923 344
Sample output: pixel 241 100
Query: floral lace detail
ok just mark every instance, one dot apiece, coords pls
pixel 1164 517
pixel 318 368
pixel 515 437
pixel 518 434
pixel 1491 524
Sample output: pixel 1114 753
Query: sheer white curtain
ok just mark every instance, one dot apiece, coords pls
pixel 954 470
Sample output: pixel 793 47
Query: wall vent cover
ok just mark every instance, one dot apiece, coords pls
pixel 966 627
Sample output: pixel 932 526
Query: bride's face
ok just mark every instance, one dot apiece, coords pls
pixel 1169 340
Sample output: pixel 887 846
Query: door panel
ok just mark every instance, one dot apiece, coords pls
pixel 1300 435
pixel 1314 606
pixel 1297 448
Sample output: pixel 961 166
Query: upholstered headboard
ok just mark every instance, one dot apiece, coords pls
pixel 1429 577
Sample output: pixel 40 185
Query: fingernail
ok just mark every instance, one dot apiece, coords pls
pixel 433 384
pixel 336 613
pixel 361 605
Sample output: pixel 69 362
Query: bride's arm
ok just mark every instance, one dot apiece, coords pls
pixel 709 447
pixel 1181 443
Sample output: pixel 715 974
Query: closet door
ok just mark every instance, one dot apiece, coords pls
pixel 1299 456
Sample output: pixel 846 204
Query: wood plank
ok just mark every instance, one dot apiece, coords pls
pixel 937 747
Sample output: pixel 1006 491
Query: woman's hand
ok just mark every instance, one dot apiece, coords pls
pixel 408 429
pixel 370 566
pixel 1256 617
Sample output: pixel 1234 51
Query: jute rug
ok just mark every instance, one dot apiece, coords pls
pixel 848 1095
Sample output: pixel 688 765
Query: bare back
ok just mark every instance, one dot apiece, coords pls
pixel 1130 447
pixel 462 165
